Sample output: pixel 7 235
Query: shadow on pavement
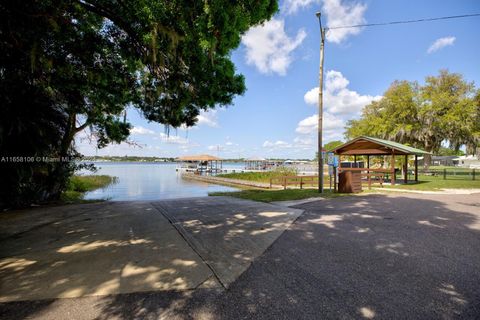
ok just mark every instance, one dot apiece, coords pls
pixel 376 256
pixel 109 249
pixel 386 257
pixel 112 251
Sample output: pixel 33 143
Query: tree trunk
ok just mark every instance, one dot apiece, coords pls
pixel 427 161
pixel 68 135
pixel 60 172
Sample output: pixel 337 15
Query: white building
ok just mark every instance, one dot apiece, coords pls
pixel 471 162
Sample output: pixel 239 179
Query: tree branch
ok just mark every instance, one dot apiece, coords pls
pixel 117 20
pixel 80 128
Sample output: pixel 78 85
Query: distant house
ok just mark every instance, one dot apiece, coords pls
pixel 467 162
pixel 440 160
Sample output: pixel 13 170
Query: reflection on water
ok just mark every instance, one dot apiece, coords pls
pixel 148 181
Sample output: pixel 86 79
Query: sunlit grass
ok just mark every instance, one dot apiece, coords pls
pixel 78 185
pixel 277 195
pixel 263 176
pixel 426 183
pixel 437 183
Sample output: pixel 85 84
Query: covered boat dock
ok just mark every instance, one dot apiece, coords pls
pixel 256 164
pixel 202 163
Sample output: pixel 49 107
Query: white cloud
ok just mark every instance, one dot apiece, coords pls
pixel 269 48
pixel 208 118
pixel 305 143
pixel 303 140
pixel 301 143
pixel 308 125
pixel 228 148
pixel 292 6
pixel 141 130
pixel 340 104
pixel 215 148
pixel 333 128
pixel 330 123
pixel 311 97
pixel 337 97
pixel 441 43
pixel 173 139
pixel 340 13
pixel 279 144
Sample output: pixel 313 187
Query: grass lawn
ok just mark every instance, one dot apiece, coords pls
pixel 277 195
pixel 78 185
pixel 449 168
pixel 257 176
pixel 262 176
pixel 426 183
pixel 436 183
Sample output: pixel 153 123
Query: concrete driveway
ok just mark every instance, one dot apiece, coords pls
pixel 123 247
pixel 398 256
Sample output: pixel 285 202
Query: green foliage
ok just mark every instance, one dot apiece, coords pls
pixel 66 66
pixel 285 171
pixel 89 183
pixel 445 108
pixel 449 152
pixel 28 134
pixel 332 145
pixel 78 185
pixel 436 183
pixel 261 176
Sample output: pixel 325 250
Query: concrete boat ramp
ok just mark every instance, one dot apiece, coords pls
pixel 123 247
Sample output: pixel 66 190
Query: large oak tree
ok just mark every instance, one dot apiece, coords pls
pixel 445 109
pixel 67 65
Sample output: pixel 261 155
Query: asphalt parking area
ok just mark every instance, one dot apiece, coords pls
pixel 396 256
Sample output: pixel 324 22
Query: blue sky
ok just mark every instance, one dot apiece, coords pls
pixel 276 117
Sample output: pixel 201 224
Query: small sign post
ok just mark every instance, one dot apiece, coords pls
pixel 332 162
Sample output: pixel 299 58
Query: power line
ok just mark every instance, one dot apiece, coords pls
pixel 403 22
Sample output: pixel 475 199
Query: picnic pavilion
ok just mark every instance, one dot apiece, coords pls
pixel 370 147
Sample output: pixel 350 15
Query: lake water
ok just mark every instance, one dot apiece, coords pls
pixel 148 181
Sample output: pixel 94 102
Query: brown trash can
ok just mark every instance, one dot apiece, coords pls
pixel 350 182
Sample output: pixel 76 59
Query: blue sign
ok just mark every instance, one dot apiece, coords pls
pixel 332 160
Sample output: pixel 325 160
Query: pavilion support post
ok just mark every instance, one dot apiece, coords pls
pixel 405 170
pixel 355 160
pixel 392 178
pixel 368 163
pixel 335 179
pixel 416 168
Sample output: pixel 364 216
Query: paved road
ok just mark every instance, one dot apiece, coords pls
pixel 399 256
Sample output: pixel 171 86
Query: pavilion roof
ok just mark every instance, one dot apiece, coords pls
pixel 364 145
pixel 199 157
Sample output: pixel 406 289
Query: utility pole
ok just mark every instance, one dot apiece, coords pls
pixel 320 106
